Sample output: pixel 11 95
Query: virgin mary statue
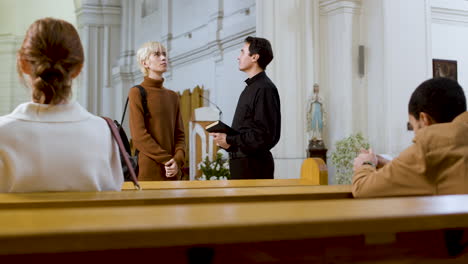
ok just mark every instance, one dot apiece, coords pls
pixel 315 116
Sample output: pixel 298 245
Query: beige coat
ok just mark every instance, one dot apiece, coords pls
pixel 437 163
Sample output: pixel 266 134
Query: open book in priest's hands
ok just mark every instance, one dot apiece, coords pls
pixel 220 127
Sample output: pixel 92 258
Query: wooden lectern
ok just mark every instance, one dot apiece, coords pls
pixel 201 143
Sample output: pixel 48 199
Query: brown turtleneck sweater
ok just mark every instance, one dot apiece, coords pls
pixel 159 137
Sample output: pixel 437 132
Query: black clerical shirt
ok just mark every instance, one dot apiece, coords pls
pixel 257 117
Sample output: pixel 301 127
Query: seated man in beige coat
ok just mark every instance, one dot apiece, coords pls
pixel 436 162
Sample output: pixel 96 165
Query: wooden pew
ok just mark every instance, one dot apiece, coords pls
pixel 153 185
pixel 392 230
pixel 173 196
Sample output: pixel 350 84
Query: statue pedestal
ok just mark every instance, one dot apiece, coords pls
pixel 317 149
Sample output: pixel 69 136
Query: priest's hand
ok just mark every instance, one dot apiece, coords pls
pixel 220 140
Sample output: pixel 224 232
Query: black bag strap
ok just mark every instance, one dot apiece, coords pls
pixel 144 103
pixel 125 110
pixel 117 138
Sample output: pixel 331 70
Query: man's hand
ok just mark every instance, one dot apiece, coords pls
pixel 381 161
pixel 172 169
pixel 365 156
pixel 220 140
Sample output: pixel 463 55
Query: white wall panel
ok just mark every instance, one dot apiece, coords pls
pixel 449 35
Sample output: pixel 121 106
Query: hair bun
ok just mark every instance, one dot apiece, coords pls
pixel 50 74
pixel 53 49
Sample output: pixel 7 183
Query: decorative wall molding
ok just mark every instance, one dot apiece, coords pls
pixel 220 32
pixel 191 46
pixel 149 7
pixel 126 75
pixel 9 43
pixel 441 15
pixel 7 38
pixel 214 47
pixel 97 13
pixel 333 7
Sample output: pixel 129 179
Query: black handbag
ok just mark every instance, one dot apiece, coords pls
pixel 124 157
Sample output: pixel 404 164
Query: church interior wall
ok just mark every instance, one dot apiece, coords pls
pixel 15 18
pixel 8 83
pixel 400 44
pixel 404 65
pixel 449 33
pixel 222 81
pixel 372 38
pixel 190 75
pixel 289 26
pixel 148 23
pixel 202 50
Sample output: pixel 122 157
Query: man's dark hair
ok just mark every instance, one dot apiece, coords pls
pixel 442 98
pixel 262 47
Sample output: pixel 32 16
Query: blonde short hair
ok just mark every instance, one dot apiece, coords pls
pixel 145 51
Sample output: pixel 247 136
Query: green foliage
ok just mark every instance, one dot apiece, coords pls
pixel 216 169
pixel 342 158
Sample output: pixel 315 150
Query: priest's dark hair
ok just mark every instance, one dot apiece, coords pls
pixel 262 47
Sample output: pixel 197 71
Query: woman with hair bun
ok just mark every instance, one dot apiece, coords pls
pixel 52 143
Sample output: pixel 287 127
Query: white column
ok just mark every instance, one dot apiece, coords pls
pixel 166 23
pixel 124 73
pixel 290 27
pixel 99 27
pixel 166 30
pixel 344 95
pixel 215 27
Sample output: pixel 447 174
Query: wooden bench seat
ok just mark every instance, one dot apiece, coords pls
pixel 154 185
pixel 326 231
pixel 173 196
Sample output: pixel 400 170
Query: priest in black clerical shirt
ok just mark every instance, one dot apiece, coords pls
pixel 257 117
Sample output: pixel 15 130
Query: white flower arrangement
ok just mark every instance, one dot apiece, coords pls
pixel 218 169
pixel 212 178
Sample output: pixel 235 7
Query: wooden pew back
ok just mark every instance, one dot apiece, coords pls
pixel 380 229
pixel 158 185
pixel 315 170
pixel 173 196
